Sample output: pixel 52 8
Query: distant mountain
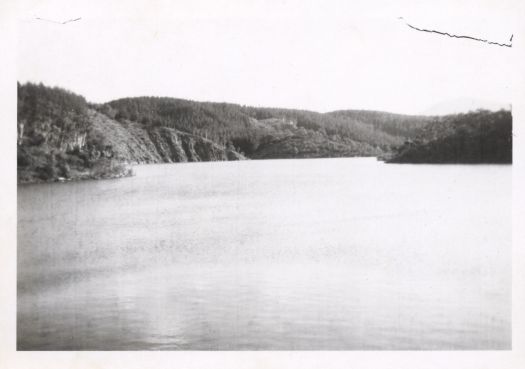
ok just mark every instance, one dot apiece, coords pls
pixel 464 105
pixel 62 136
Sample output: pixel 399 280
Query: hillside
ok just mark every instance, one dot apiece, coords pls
pixel 475 137
pixel 249 127
pixel 62 136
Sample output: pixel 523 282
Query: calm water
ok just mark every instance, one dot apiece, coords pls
pixel 326 254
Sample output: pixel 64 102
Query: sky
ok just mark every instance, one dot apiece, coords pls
pixel 312 57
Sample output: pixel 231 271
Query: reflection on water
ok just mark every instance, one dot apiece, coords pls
pixel 326 254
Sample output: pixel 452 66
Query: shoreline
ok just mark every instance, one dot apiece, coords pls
pixel 129 172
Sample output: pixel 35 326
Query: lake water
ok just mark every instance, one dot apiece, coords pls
pixel 323 254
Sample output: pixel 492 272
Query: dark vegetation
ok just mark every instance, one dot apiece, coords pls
pixel 61 136
pixel 476 137
pixel 250 128
pixel 56 140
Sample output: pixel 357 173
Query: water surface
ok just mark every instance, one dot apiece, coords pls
pixel 324 254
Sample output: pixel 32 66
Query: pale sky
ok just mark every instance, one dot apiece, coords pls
pixel 310 57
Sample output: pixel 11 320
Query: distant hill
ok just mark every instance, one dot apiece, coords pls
pixel 62 136
pixel 246 128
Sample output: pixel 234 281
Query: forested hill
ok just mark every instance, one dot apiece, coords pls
pixel 61 135
pixel 272 132
pixel 475 137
